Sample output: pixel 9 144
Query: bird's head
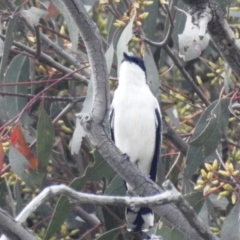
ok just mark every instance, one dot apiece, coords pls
pixel 132 68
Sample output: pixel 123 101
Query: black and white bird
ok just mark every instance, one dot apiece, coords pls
pixel 135 125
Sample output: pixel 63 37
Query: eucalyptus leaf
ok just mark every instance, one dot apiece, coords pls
pixel 45 139
pixel 116 187
pixel 18 71
pixel 1 47
pixel 152 72
pixel 72 27
pixel 10 32
pixel 215 119
pixel 211 125
pixel 125 37
pixel 231 227
pixel 109 57
pixel 19 164
pixel 168 232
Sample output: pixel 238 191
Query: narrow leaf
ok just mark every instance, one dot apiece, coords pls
pixel 45 138
pixel 215 126
pixel 206 136
pixel 152 72
pixel 18 196
pixel 116 187
pixel 125 37
pixel 231 227
pixel 196 200
pixel 72 27
pixel 18 164
pixel 18 71
pixel 1 47
pixel 194 160
pixel 18 141
pixel 10 32
pixel 109 57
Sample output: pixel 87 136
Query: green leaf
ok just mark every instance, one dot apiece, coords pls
pixel 125 37
pixel 203 214
pixel 116 187
pixel 231 227
pixel 10 32
pixel 212 125
pixel 18 197
pixel 109 57
pixel 72 27
pixel 59 216
pixel 98 170
pixel 18 71
pixel 170 233
pixel 194 160
pixel 206 136
pixel 196 200
pixel 18 164
pixel 112 234
pixel 211 211
pixel 45 139
pixel 151 21
pixel 181 20
pixel 152 72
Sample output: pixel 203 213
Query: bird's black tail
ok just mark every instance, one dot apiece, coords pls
pixel 141 219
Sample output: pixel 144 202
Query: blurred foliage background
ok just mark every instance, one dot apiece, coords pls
pixel 44 74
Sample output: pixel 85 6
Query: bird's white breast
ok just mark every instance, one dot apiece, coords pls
pixel 135 123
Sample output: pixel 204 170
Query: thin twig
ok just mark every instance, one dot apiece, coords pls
pixel 52 98
pixel 50 61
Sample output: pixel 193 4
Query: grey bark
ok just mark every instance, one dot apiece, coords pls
pixel 12 229
pixel 95 124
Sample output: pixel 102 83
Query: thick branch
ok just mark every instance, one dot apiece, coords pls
pixel 94 123
pixel 218 28
pixel 188 212
pixel 12 229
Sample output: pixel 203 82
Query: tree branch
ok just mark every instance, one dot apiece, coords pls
pixel 57 49
pixel 44 58
pixel 209 11
pixel 175 138
pixel 95 123
pixel 12 229
pixel 171 195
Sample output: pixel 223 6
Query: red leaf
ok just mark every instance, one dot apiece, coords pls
pixel 18 141
pixel 52 12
